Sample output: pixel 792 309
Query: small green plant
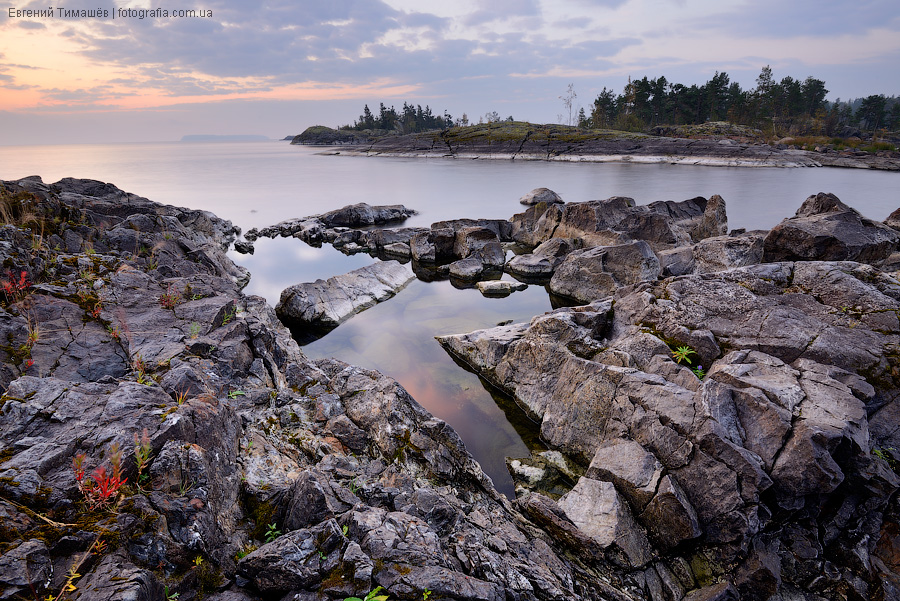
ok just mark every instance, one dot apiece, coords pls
pixel 345 529
pixel 140 371
pixel 699 372
pixel 244 551
pixel 183 489
pixel 425 594
pixel 34 333
pixel 227 316
pixel 885 455
pixel 272 532
pixel 372 596
pixel 322 556
pixel 236 393
pixel 114 333
pixel 169 596
pixel 142 451
pixel 195 329
pixel 682 354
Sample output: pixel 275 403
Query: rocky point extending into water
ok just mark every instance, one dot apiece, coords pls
pixel 527 141
pixel 726 432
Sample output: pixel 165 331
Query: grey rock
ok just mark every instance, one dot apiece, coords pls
pixel 310 501
pixel 469 268
pixel 499 287
pixel 471 239
pixel 348 433
pixel 245 247
pixel 598 511
pixel 433 245
pixel 397 249
pixel 635 472
pixel 722 591
pixel 541 195
pixel 362 214
pixel 669 516
pixel 825 229
pixel 500 227
pixel 326 304
pixel 726 252
pixel 293 560
pixel 543 260
pixel 117 579
pixel 593 273
pixel 676 261
pixel 536 225
pixel 23 567
pixel 663 224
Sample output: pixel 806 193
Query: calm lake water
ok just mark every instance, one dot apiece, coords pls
pixel 255 184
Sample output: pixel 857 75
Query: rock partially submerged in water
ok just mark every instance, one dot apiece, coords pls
pixel 362 214
pixel 543 260
pixel 325 304
pixel 541 195
pixel 616 220
pixel 499 287
pixel 326 227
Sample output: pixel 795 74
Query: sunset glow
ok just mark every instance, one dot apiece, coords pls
pixel 473 57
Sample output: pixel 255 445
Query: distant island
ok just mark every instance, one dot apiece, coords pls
pixel 714 143
pixel 225 138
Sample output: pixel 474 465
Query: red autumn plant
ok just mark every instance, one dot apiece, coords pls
pixel 101 487
pixel 13 287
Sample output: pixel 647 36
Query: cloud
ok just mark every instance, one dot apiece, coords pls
pixel 502 10
pixel 603 3
pixel 819 18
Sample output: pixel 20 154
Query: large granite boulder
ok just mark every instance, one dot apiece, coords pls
pixel 328 303
pixel 825 229
pixel 616 220
pixel 536 224
pixel 713 254
pixel 589 274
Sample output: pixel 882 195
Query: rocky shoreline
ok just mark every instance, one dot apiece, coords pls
pixel 723 404
pixel 529 142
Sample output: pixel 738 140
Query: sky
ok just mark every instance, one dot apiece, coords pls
pixel 274 68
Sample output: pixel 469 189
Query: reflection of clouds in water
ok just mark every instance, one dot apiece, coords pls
pixel 304 252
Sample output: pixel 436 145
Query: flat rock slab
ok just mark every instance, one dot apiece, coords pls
pixel 499 287
pixel 328 303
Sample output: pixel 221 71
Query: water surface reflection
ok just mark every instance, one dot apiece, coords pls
pixel 397 338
